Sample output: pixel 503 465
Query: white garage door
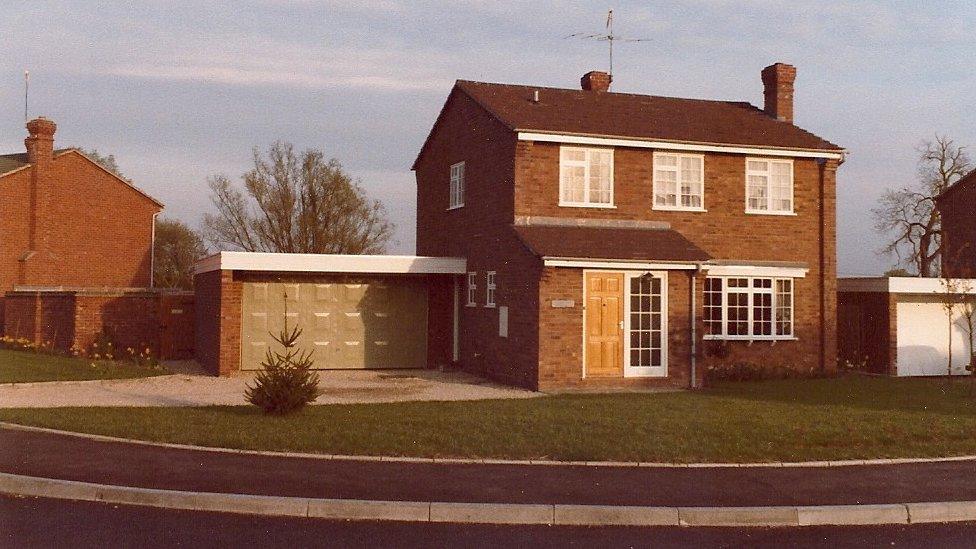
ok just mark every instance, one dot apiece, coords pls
pixel 923 340
pixel 369 323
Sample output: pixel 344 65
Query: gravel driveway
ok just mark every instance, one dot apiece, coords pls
pixel 339 387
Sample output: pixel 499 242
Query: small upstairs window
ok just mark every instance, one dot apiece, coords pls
pixel 585 177
pixel 457 186
pixel 769 186
pixel 490 289
pixel 472 289
pixel 679 182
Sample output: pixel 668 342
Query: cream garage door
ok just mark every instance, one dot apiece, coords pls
pixel 923 340
pixel 369 323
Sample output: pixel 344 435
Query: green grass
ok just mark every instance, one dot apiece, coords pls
pixel 23 367
pixel 794 420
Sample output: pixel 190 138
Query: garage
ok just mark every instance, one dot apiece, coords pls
pixel 899 326
pixel 347 322
pixel 355 312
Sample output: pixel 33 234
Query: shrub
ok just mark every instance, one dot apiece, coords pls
pixel 287 383
pixel 746 371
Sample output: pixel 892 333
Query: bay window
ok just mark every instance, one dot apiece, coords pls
pixel 748 308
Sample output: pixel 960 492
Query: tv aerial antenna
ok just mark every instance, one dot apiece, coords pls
pixel 609 37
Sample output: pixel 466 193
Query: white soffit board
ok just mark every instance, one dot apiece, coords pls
pixel 755 270
pixel 667 145
pixel 905 285
pixel 330 263
pixel 615 264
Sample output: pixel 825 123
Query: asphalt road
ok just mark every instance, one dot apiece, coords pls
pixel 32 522
pixel 73 458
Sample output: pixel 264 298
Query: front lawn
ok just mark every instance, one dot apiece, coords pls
pixel 795 420
pixel 24 366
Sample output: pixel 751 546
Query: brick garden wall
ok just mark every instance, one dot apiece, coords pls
pixel 76 319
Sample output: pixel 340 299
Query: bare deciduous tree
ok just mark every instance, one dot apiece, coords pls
pixel 909 214
pixel 296 204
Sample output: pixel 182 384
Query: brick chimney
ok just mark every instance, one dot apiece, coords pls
pixel 778 81
pixel 40 140
pixel 595 81
pixel 40 154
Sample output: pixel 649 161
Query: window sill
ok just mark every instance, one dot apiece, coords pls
pixel 490 306
pixel 749 338
pixel 575 205
pixel 471 305
pixel 760 212
pixel 677 209
pixel 458 207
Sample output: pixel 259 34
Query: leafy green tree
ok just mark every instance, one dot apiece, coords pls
pixel 177 249
pixel 107 162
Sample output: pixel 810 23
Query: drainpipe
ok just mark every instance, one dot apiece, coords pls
pixel 152 253
pixel 822 165
pixel 694 327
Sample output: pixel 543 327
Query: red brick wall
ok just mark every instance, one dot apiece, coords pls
pixel 481 232
pixel 959 224
pixel 77 319
pixel 725 231
pixel 97 232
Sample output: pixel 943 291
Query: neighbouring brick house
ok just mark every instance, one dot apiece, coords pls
pixel 957 208
pixel 621 240
pixel 76 247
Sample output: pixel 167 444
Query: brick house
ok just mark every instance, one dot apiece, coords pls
pixel 76 246
pixel 959 227
pixel 620 240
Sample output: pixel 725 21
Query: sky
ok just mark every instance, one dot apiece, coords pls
pixel 180 91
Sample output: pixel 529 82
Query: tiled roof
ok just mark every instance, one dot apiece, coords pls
pixel 595 243
pixel 648 117
pixel 10 162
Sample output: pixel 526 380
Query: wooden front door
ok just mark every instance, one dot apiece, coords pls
pixel 604 319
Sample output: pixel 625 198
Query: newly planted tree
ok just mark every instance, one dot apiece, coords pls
pixel 287 382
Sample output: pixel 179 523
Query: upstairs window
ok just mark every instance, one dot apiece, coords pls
pixel 679 182
pixel 472 289
pixel 748 308
pixel 586 177
pixel 490 289
pixel 457 186
pixel 769 186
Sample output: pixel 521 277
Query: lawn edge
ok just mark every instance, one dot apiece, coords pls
pixel 482 461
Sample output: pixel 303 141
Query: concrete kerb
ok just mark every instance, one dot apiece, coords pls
pixel 490 513
pixel 484 461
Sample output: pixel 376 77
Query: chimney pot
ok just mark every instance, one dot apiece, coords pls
pixel 778 81
pixel 40 140
pixel 595 81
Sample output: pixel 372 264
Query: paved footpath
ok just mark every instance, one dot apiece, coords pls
pixel 64 457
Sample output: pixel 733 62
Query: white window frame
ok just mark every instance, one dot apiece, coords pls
pixel 490 288
pixel 768 174
pixel 657 186
pixel 472 289
pixel 752 291
pixel 456 199
pixel 586 163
